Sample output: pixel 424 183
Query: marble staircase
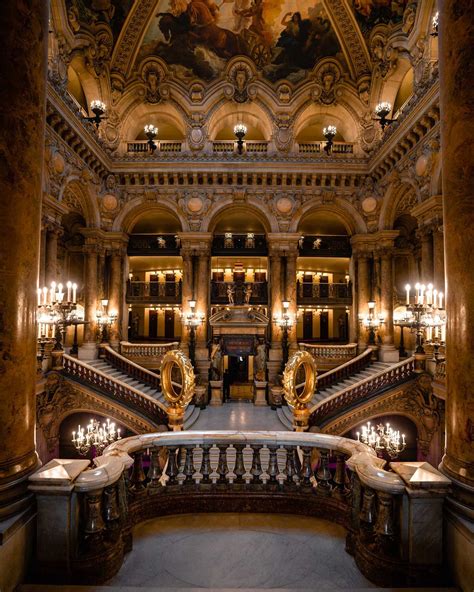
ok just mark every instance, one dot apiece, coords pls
pixel 192 412
pixel 285 415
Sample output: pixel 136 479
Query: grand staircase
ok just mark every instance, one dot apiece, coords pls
pixel 127 382
pixel 346 385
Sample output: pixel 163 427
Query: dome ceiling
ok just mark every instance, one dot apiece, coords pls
pixel 285 39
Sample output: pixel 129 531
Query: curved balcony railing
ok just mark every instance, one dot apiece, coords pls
pixel 328 408
pixel 146 354
pixel 321 293
pixel 220 292
pixel 159 474
pixel 154 292
pixel 81 372
pixel 343 371
pixel 333 352
pixel 131 368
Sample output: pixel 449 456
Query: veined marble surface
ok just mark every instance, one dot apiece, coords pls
pixel 238 415
pixel 218 551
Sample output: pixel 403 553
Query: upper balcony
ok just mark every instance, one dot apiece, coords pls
pixel 153 244
pixel 240 244
pixel 239 293
pixel 325 246
pixel 154 292
pixel 324 293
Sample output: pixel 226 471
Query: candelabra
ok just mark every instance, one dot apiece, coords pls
pixel 425 315
pixel 382 110
pixel 105 319
pixel 285 322
pixel 56 312
pixel 435 25
pixel 383 439
pixel 151 132
pixel 240 131
pixel 371 322
pixel 329 133
pixel 193 320
pixel 98 108
pixel 95 436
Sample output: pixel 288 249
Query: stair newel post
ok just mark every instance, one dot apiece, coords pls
pixel 239 468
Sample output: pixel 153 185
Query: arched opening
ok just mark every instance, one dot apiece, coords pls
pixel 156 222
pixel 75 88
pixel 405 91
pixel 323 285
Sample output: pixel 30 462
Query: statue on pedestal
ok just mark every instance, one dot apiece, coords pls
pixel 260 361
pixel 216 360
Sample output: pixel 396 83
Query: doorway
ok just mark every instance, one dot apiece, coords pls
pixel 238 369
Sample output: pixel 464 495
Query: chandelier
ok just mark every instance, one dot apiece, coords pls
pixel 57 310
pixel 371 321
pixel 240 130
pixel 329 133
pixel 98 108
pixel 95 436
pixel 382 111
pixel 382 439
pixel 151 132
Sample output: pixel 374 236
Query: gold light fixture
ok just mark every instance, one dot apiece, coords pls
pixel 98 108
pixel 382 110
pixel 240 131
pixel 329 133
pixel 382 439
pixel 151 132
pixel 95 436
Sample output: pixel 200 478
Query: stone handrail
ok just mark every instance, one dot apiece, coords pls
pixel 149 354
pixel 128 367
pixel 345 370
pixel 312 474
pixel 343 400
pixel 340 352
pixel 120 391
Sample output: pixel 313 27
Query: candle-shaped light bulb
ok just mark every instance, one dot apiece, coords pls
pixel 435 298
pixel 69 286
pixel 408 288
pixel 440 298
pixel 74 288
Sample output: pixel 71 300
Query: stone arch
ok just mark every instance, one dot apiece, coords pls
pixel 140 206
pixel 76 195
pixel 139 114
pixel 249 207
pixel 341 209
pixel 321 115
pixel 251 114
pixel 399 198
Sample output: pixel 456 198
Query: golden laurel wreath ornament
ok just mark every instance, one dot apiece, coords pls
pixel 299 380
pixel 177 379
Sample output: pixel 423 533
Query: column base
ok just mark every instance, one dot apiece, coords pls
pixel 14 494
pixel 17 535
pixel 88 351
pixel 216 393
pixel 259 396
pixel 459 546
pixel 388 353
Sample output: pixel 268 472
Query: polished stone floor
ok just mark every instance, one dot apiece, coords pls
pixel 218 551
pixel 238 415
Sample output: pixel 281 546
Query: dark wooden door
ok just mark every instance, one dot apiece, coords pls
pixel 153 324
pixel 324 287
pixel 324 326
pixel 169 323
pixel 308 325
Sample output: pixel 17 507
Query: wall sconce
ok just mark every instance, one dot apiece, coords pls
pixel 435 25
pixel 240 131
pixel 193 320
pixel 329 133
pixel 371 321
pixel 382 110
pixel 105 319
pixel 285 322
pixel 98 108
pixel 151 132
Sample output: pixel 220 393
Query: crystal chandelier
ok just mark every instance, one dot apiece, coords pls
pixel 151 132
pixel 95 436
pixel 57 309
pixel 329 133
pixel 382 439
pixel 382 110
pixel 240 130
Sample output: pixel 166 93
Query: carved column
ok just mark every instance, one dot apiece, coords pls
pixel 187 293
pixel 23 62
pixel 202 288
pixel 116 294
pixel 363 292
pixel 457 133
pixel 53 233
pixel 290 295
pixel 275 299
pixel 426 238
pixel 438 258
pixel 388 353
pixel 90 298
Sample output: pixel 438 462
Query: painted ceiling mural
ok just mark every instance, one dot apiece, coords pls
pixel 113 12
pixel 370 13
pixel 284 38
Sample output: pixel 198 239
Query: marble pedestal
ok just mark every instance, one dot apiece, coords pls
pixel 216 393
pixel 388 353
pixel 200 396
pixel 259 393
pixel 275 397
pixel 88 351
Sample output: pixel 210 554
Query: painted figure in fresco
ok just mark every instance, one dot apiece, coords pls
pixel 373 12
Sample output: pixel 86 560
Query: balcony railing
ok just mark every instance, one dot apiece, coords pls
pixel 230 147
pixel 141 146
pixel 239 244
pixel 159 474
pixel 325 246
pixel 154 292
pixel 321 293
pixel 240 292
pixel 153 244
pixel 318 148
pixel 147 355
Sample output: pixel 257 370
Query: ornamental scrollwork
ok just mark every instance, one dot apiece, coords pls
pixel 299 380
pixel 177 379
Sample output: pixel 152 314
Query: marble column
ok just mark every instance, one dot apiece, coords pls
pixel 457 139
pixel 275 309
pixel 290 295
pixel 203 282
pixel 51 254
pixel 363 293
pixel 23 60
pixel 187 294
pixel 388 353
pixel 426 237
pixel 115 294
pixel 90 298
pixel 438 259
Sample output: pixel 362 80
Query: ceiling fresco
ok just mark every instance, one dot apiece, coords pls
pixel 370 13
pixel 87 12
pixel 284 38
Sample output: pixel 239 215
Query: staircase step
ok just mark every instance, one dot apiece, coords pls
pixel 284 419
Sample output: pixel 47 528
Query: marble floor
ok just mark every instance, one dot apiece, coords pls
pixel 238 415
pixel 245 551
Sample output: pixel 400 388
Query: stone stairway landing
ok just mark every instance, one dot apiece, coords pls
pixel 192 412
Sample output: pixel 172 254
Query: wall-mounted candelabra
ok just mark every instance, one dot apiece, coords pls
pixel 105 319
pixel 192 321
pixel 56 311
pixel 371 321
pixel 285 321
pixel 383 439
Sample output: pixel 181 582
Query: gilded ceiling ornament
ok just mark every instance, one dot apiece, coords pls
pixel 327 76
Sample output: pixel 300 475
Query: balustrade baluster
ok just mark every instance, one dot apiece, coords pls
pixel 93 523
pixel 340 475
pixel 111 511
pixel 323 474
pixel 138 474
pixel 172 467
pixel 272 465
pixel 256 469
pixel 384 522
pixel 290 469
pixel 239 469
pixel 367 513
pixel 205 464
pixel 189 469
pixel 306 472
pixel 222 468
pixel 155 472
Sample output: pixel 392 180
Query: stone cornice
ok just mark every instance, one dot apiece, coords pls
pixel 429 210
